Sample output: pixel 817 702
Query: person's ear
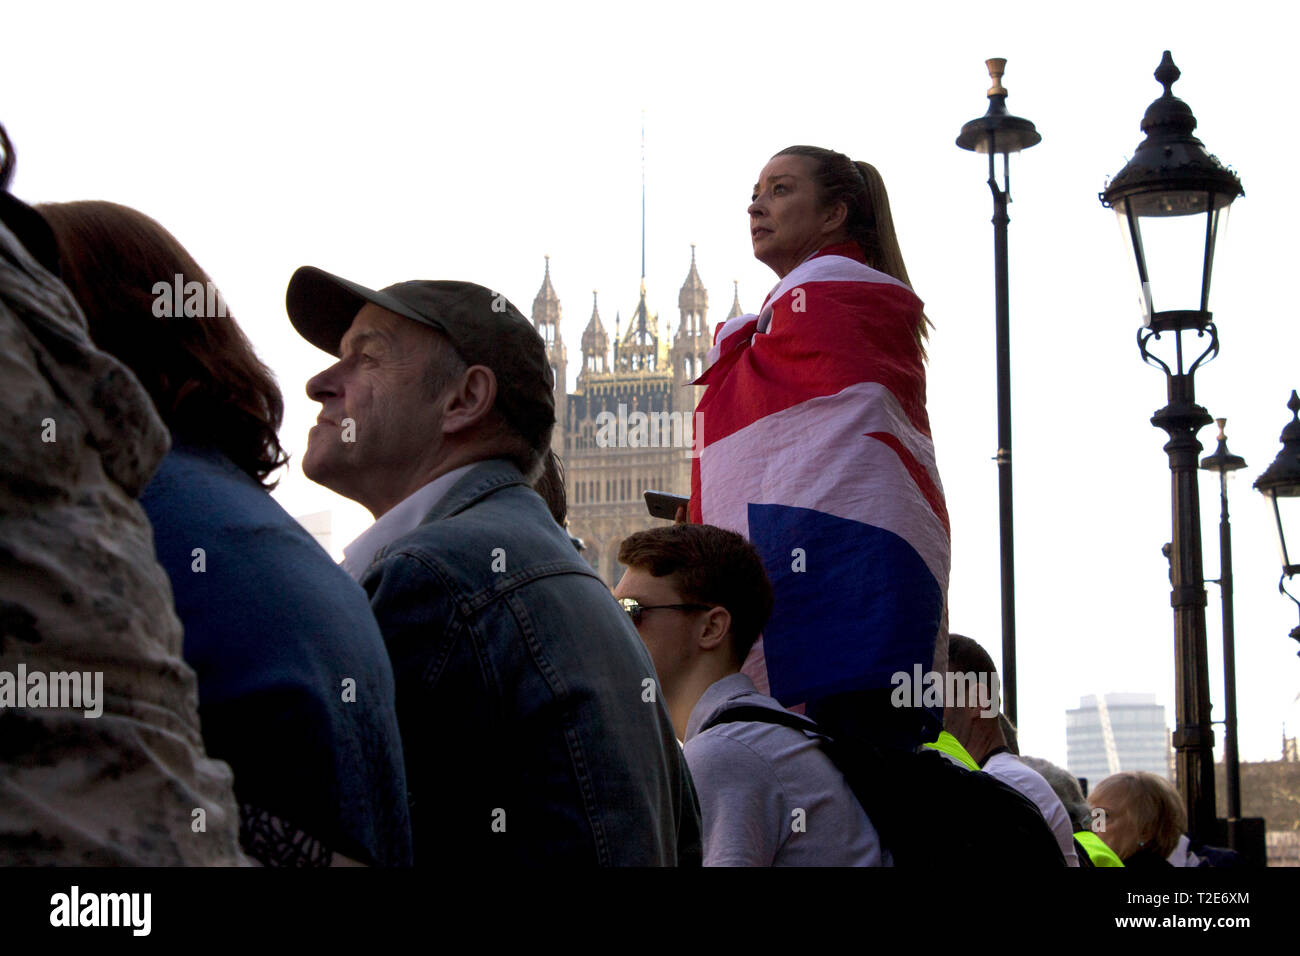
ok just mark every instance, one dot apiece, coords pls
pixel 959 721
pixel 836 217
pixel 469 400
pixel 717 625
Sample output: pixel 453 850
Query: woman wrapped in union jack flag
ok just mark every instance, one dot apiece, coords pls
pixel 813 441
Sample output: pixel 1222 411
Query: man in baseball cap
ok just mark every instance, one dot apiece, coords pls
pixel 508 407
pixel 522 701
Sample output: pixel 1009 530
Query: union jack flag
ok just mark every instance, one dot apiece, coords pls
pixel 812 440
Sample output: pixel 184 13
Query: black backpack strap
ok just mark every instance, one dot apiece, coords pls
pixel 757 714
pixel 928 811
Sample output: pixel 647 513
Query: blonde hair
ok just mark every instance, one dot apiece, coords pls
pixel 1156 807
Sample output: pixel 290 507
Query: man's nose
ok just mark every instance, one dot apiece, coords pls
pixel 324 384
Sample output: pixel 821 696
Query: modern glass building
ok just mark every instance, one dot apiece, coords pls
pixel 1116 732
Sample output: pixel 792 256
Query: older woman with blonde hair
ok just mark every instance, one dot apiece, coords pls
pixel 1143 817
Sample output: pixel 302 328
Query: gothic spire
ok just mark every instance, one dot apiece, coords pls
pixel 595 341
pixel 735 302
pixel 693 299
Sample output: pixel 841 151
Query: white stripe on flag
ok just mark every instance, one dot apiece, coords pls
pixel 815 455
pixel 820 269
pixel 725 331
pixel 831 269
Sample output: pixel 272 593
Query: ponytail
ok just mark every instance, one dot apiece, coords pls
pixel 869 223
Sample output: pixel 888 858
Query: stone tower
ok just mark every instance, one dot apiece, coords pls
pixel 546 319
pixel 691 343
pixel 595 345
pixel 627 425
pixel 690 346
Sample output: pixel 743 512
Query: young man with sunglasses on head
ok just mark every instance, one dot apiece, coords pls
pixel 769 794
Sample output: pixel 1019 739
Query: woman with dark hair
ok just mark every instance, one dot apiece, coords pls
pixel 295 686
pixel 814 442
pixel 109 773
pixel 134 282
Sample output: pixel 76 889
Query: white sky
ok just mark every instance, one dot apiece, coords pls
pixel 395 141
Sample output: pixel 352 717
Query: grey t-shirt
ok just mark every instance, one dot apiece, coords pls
pixel 769 795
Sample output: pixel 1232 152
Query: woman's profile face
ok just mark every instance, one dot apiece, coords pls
pixel 786 221
pixel 1120 831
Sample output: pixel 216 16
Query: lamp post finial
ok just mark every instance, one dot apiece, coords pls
pixel 1167 73
pixel 997 66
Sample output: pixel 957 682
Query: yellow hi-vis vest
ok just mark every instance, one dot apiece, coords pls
pixel 1098 851
pixel 951 746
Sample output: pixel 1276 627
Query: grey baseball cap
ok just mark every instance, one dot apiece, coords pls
pixel 482 326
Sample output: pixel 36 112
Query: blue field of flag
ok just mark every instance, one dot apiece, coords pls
pixel 854 603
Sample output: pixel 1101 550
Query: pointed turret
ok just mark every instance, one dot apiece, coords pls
pixel 691 343
pixel 546 319
pixel 693 300
pixel 595 342
pixel 736 310
pixel 547 304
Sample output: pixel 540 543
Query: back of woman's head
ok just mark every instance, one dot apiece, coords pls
pixel 869 221
pixel 859 186
pixel 134 281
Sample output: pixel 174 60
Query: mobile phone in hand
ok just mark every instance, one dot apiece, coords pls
pixel 660 504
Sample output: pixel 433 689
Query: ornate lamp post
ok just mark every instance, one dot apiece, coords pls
pixel 1225 463
pixel 1280 483
pixel 997 132
pixel 1171 199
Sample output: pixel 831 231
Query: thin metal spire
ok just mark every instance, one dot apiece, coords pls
pixel 643 201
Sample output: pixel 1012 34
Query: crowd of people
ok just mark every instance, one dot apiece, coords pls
pixel 463 688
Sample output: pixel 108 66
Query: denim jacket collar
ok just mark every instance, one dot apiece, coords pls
pixel 483 479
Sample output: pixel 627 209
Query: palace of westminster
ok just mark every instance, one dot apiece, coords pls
pixel 608 468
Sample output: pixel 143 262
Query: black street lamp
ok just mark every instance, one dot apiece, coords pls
pixel 998 132
pixel 1280 483
pixel 1225 463
pixel 1171 198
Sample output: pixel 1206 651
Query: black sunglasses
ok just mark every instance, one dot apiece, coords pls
pixel 636 609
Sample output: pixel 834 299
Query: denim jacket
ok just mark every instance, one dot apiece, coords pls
pixel 531 720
